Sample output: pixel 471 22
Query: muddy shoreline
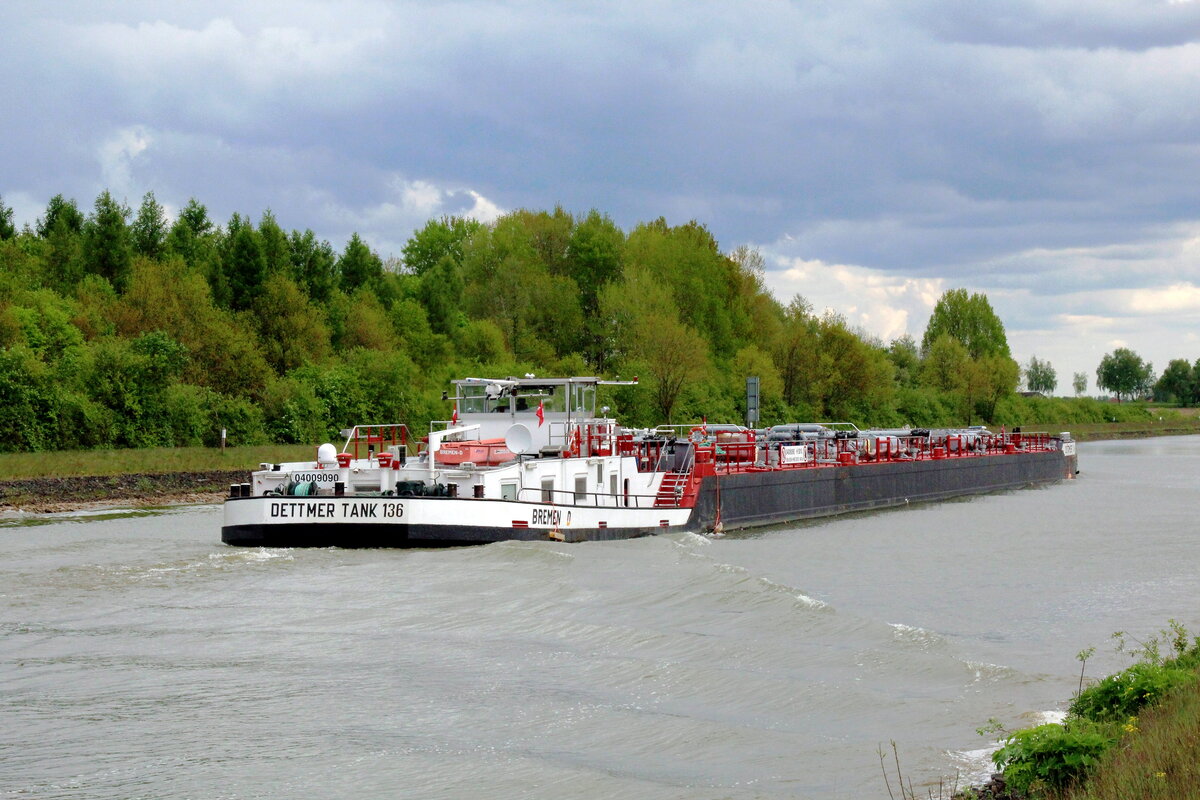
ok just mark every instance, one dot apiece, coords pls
pixel 50 495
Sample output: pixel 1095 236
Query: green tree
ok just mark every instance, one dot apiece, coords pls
pixel 131 379
pixel 440 292
pixel 61 228
pixel 243 264
pixel 796 352
pixel 507 280
pixel 358 265
pixel 970 320
pixel 292 330
pixel 439 238
pixel 277 256
pixel 1040 376
pixel 1079 383
pixel 367 325
pixel 1178 382
pixel 106 246
pixel 647 332
pixel 851 377
pixel 42 320
pixel 594 257
pixel 1123 372
pixel 60 211
pixel 675 355
pixel 945 364
pixel 314 265
pixel 906 359
pixel 148 233
pixel 27 397
pixel 64 257
pixel 191 238
pixel 990 379
pixel 225 354
pixel 7 229
pixel 687 259
pixel 751 361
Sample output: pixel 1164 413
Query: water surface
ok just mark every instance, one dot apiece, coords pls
pixel 141 658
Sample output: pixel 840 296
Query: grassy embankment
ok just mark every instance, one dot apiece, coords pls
pixel 148 461
pixel 162 460
pixel 1159 760
pixel 1170 422
pixel 1132 734
pixel 64 480
pixel 88 476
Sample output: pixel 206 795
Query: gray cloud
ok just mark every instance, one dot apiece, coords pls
pixel 1046 150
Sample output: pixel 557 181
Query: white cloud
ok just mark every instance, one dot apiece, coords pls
pixel 1178 297
pixel 883 304
pixel 1045 156
pixel 117 154
pixel 409 204
pixel 483 209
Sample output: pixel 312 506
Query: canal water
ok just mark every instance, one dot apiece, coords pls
pixel 141 658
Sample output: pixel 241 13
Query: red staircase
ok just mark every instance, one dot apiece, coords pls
pixel 670 492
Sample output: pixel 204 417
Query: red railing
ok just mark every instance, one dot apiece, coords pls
pixel 376 438
pixel 748 456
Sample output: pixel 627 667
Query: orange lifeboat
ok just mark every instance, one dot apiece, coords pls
pixel 481 452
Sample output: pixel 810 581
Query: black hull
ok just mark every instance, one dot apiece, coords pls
pixel 350 535
pixel 750 499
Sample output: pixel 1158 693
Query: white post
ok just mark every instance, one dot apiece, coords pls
pixel 435 444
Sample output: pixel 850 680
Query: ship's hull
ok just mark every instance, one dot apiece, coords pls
pixel 372 521
pixel 737 500
pixel 748 499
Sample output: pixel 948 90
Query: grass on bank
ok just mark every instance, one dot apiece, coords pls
pixel 161 460
pixel 152 461
pixel 1159 760
pixel 1168 426
pixel 1133 735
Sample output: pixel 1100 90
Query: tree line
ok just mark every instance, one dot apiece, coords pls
pixel 122 328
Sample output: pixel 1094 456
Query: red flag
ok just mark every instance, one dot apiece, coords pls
pixel 454 416
pixel 541 412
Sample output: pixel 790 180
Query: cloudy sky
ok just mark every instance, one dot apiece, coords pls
pixel 877 153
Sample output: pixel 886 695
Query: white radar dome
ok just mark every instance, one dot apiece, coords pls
pixel 327 454
pixel 518 439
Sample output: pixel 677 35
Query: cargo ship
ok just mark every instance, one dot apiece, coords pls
pixel 531 459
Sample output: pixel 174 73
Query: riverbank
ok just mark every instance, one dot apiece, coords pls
pixel 1133 734
pixel 1177 426
pixel 58 482
pixel 75 493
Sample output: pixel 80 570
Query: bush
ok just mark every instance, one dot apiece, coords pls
pixel 293 413
pixel 1053 756
pixel 1124 694
pixel 187 413
pixel 242 420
